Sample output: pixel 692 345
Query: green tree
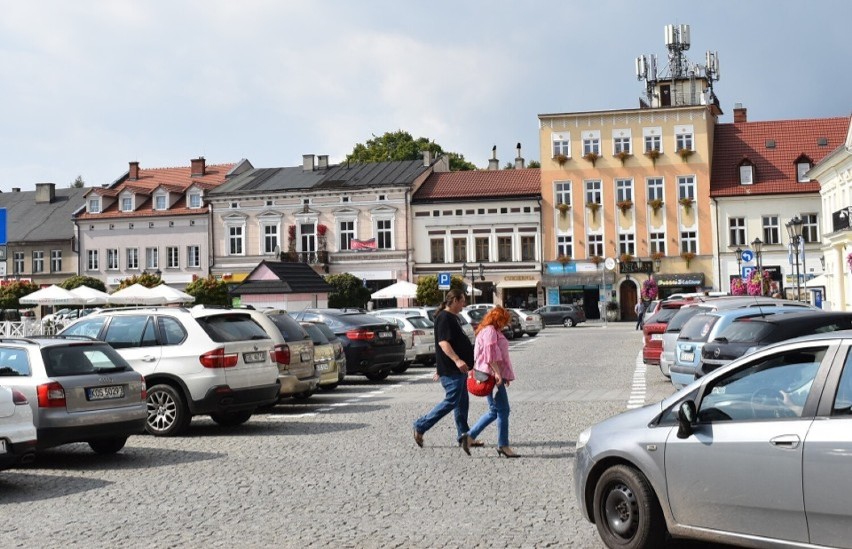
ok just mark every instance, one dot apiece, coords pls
pixel 509 166
pixel 78 183
pixel 347 291
pixel 80 280
pixel 12 292
pixel 400 145
pixel 145 279
pixel 534 164
pixel 209 291
pixel 428 292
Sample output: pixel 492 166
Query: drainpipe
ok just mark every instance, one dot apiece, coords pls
pixel 718 253
pixel 541 302
pixel 408 245
pixel 211 254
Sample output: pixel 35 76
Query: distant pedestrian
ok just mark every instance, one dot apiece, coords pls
pixel 640 312
pixel 453 360
pixel 491 355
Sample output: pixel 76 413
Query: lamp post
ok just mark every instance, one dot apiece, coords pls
pixel 472 269
pixel 794 231
pixel 739 253
pixel 757 244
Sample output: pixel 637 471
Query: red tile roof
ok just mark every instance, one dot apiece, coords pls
pixel 774 168
pixel 480 184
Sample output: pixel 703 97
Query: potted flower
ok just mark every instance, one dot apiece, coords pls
pixel 738 287
pixel 593 207
pixel 596 259
pixel 561 159
pixel 591 157
pixel 658 256
pixel 625 257
pixel 653 154
pixel 321 243
pixel 650 290
pixel 687 256
pixel 687 203
pixel 564 260
pixel 623 155
pixel 624 206
pixel 291 246
pixel 563 208
pixel 655 204
pixel 758 283
pixel 612 311
pixel 849 261
pixel 684 153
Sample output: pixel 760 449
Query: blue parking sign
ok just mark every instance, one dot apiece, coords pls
pixel 747 272
pixel 443 281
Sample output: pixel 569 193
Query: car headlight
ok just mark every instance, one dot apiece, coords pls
pixel 583 438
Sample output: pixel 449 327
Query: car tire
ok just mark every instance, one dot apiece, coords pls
pixel 568 322
pixel 330 387
pixel 168 414
pixel 303 396
pixel 401 367
pixel 532 334
pixel 378 376
pixel 626 511
pixel 107 445
pixel 231 419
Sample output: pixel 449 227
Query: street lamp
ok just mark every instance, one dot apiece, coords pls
pixel 739 252
pixel 472 269
pixel 794 231
pixel 757 244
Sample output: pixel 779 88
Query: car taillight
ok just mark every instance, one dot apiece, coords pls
pixel 218 359
pixel 51 395
pixel 18 397
pixel 364 335
pixel 418 333
pixel 281 354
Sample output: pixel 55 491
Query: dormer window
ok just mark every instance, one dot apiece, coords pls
pixel 127 203
pixel 95 205
pixel 194 200
pixel 803 164
pixel 746 172
pixel 160 202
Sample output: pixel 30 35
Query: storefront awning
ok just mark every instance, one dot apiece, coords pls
pixel 517 284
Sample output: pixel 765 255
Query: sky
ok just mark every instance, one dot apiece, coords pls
pixel 90 85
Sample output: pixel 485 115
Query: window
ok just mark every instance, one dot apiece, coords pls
pixel 308 237
pixel 436 250
pixel 653 139
pixel 527 248
pixel 384 234
pixel 561 144
pixel 688 242
pixel 160 202
pixel 193 257
pixel 344 199
pixel 621 144
pixel 38 261
pixel 595 243
pixel 152 258
pixel 459 250
pixel 683 138
pixel 809 228
pixel 623 189
pixel 172 257
pixel 686 187
pixel 658 243
pixel 235 240
pixel 771 230
pixel 627 243
pixel 270 238
pixel 746 173
pixel 194 200
pixel 92 260
pixel 504 248
pixel 55 261
pixel 802 168
pixel 564 246
pixel 18 262
pixel 655 188
pixel 95 205
pixel 482 244
pixel 592 143
pixel 112 259
pixel 126 203
pixel 132 258
pixel 347 233
pixel 593 191
pixel 131 331
pixel 736 231
pixel 563 192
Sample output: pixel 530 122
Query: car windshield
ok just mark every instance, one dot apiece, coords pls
pixel 698 328
pixel 231 327
pixel 477 314
pixel 684 314
pixel 745 331
pixel 326 331
pixel 315 333
pixel 420 322
pixel 75 360
pixel 289 328
pixel 662 316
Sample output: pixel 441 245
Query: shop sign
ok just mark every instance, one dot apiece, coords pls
pixel 684 279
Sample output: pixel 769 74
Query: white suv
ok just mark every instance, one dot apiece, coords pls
pixel 195 361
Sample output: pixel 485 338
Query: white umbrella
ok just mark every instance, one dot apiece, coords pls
pixel 52 295
pixel 171 295
pixel 476 291
pixel 91 296
pixel 402 288
pixel 136 294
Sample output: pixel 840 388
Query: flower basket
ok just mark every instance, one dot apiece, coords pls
pixel 686 203
pixel 593 207
pixel 624 258
pixel 653 154
pixel 623 155
pixel 655 204
pixel 596 259
pixel 650 290
pixel 564 260
pixel 849 261
pixel 758 283
pixel 291 233
pixel 738 287
pixel 561 159
pixel 657 256
pixel 624 206
pixel 591 157
pixel 563 208
pixel 687 256
pixel 684 153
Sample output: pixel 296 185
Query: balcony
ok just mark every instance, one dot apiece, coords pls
pixel 311 258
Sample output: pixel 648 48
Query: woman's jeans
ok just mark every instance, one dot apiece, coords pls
pixel 498 408
pixel 456 398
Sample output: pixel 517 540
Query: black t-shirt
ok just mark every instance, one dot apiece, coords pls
pixel 448 328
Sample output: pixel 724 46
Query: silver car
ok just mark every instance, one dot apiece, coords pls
pixel 17 432
pixel 419 335
pixel 755 453
pixel 531 323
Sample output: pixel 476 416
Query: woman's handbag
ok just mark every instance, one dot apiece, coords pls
pixel 479 383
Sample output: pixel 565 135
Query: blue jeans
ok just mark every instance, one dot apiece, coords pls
pixel 498 408
pixel 455 399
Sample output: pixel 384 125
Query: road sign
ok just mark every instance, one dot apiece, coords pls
pixel 748 256
pixel 3 226
pixel 443 281
pixel 747 272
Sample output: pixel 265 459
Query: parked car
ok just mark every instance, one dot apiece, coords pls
pixel 419 335
pixel 566 315
pixel 372 347
pixel 294 353
pixel 475 316
pixel 746 335
pixel 530 323
pixel 198 361
pixel 653 329
pixel 479 306
pixel 756 452
pixel 78 391
pixel 651 309
pixel 429 312
pixel 324 360
pixel 17 431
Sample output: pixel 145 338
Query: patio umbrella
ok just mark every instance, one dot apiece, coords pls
pixel 402 288
pixel 91 296
pixel 52 295
pixel 171 295
pixel 136 294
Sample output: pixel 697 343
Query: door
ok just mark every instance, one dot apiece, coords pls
pixel 135 339
pixel 627 291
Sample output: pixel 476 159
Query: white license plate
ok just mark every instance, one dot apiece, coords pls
pixel 258 356
pixel 105 393
pixel 656 337
pixel 305 356
pixel 2 446
pixel 385 334
pixel 687 357
pixel 323 367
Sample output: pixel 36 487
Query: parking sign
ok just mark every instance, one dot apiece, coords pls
pixel 443 281
pixel 747 272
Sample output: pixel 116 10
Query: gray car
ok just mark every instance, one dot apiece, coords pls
pixel 755 453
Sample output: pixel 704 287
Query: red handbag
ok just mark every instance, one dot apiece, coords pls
pixel 479 383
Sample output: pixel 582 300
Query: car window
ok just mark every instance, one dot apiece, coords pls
pixel 14 362
pixel 130 331
pixel 90 327
pixel 420 322
pixel 698 328
pixel 477 314
pixel 82 360
pixel 773 387
pixel 314 333
pixel 232 327
pixel 843 397
pixel 289 328
pixel 663 315
pixel 745 331
pixel 327 332
pixel 171 330
pixel 682 316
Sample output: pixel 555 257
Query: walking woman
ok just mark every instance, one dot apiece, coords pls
pixel 491 355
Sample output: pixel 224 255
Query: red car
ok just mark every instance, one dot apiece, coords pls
pixel 652 330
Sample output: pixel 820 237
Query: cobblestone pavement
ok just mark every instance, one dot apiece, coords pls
pixel 342 469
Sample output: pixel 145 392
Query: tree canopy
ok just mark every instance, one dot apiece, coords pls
pixel 428 292
pixel 400 145
pixel 13 291
pixel 145 279
pixel 209 291
pixel 81 280
pixel 348 291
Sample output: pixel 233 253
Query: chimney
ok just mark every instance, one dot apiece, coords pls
pixel 494 164
pixel 739 113
pixel 322 161
pixel 198 167
pixel 134 171
pixel 519 160
pixel 308 162
pixel 45 192
pixel 427 159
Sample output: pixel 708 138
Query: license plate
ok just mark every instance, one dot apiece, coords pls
pixel 105 393
pixel 385 334
pixel 323 367
pixel 258 356
pixel 656 337
pixel 305 355
pixel 687 357
pixel 2 446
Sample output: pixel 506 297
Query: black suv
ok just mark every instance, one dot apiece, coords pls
pixel 372 346
pixel 748 334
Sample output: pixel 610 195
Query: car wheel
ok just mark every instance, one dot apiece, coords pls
pixel 532 334
pixel 303 396
pixel 231 419
pixel 568 322
pixel 107 445
pixel 331 387
pixel 664 372
pixel 626 510
pixel 401 367
pixel 378 376
pixel 167 412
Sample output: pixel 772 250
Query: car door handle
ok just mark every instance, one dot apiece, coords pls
pixel 148 358
pixel 785 441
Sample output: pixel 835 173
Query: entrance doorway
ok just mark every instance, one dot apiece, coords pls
pixel 627 291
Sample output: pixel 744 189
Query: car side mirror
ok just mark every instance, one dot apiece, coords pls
pixel 685 419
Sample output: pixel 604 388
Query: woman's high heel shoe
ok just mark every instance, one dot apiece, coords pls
pixel 505 451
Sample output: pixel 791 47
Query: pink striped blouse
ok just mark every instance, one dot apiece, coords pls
pixel 492 346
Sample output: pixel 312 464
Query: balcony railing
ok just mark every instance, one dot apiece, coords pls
pixel 311 258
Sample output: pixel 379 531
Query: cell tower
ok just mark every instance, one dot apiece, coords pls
pixel 681 83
